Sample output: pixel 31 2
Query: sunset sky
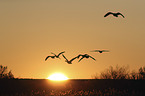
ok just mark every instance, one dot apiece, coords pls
pixel 31 29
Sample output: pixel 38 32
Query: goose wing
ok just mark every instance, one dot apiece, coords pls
pixel 95 51
pixel 92 58
pixel 120 14
pixel 79 55
pixel 108 14
pixel 73 59
pixel 53 53
pixel 61 53
pixel 64 57
pixel 105 50
pixel 80 59
pixel 47 57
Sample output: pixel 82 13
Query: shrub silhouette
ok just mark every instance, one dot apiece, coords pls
pixel 95 76
pixel 141 73
pixel 115 73
pixel 133 75
pixel 4 74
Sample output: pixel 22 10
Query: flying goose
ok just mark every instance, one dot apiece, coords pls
pixel 50 56
pixel 69 61
pixel 57 56
pixel 114 14
pixel 100 51
pixel 85 56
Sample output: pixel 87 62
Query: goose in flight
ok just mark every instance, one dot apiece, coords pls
pixel 69 61
pixel 50 56
pixel 85 56
pixel 57 56
pixel 100 51
pixel 114 14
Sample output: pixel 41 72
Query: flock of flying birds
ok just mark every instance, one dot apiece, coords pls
pixel 84 55
pixel 81 56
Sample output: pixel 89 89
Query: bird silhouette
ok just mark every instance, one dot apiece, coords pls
pixel 100 51
pixel 114 14
pixel 50 56
pixel 57 56
pixel 69 61
pixel 85 56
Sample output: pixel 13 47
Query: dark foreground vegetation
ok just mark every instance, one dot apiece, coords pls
pixel 114 81
pixel 91 87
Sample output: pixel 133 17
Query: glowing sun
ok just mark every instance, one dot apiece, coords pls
pixel 57 77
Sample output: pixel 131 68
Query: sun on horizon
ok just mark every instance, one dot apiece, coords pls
pixel 57 77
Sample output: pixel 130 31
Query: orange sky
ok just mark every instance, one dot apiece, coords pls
pixel 31 30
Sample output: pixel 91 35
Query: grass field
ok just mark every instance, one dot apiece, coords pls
pixel 43 87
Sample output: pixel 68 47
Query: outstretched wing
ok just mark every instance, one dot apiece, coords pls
pixel 73 59
pixel 95 51
pixel 64 57
pixel 80 59
pixel 120 14
pixel 61 53
pixel 53 53
pixel 92 58
pixel 47 57
pixel 108 14
pixel 79 55
pixel 105 50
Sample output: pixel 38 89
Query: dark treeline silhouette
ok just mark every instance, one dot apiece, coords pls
pixel 114 82
pixel 121 73
pixel 141 74
pixel 76 87
pixel 4 74
pixel 116 72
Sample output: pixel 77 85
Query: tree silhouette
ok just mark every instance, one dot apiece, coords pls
pixel 115 73
pixel 4 74
pixel 141 73
pixel 95 76
pixel 133 75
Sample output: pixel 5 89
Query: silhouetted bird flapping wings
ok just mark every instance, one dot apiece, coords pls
pixel 100 51
pixel 69 61
pixel 114 14
pixel 85 56
pixel 49 56
pixel 57 56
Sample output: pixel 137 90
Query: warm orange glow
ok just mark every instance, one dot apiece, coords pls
pixel 57 77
